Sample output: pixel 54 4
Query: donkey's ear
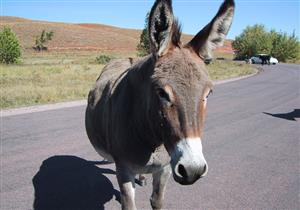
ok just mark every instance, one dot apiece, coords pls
pixel 214 33
pixel 160 26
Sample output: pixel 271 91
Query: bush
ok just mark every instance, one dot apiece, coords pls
pixel 10 49
pixel 40 41
pixel 104 59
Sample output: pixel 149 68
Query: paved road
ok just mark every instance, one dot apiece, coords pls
pixel 251 144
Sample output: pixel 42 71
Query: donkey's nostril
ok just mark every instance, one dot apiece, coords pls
pixel 182 171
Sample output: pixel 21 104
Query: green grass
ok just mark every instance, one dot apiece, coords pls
pixel 39 84
pixel 43 78
pixel 221 70
pixel 227 56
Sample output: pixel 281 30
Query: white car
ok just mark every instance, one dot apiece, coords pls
pixel 273 60
pixel 256 59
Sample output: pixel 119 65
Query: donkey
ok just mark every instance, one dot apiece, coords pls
pixel 147 116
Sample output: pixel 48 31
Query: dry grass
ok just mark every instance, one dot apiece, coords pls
pixel 42 80
pixel 68 70
pixel 30 85
pixel 56 77
pixel 221 70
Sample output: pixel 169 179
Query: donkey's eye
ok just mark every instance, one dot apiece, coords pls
pixel 163 95
pixel 210 92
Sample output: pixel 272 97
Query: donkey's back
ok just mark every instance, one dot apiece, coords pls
pixel 97 112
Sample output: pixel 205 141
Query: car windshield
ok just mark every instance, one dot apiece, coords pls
pixel 261 55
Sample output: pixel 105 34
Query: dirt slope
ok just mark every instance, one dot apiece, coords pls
pixel 81 36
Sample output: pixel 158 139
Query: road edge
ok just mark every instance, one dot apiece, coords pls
pixel 219 82
pixel 41 108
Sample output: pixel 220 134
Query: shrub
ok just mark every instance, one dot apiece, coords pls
pixel 10 49
pixel 41 41
pixel 104 59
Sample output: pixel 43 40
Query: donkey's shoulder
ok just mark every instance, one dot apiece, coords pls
pixel 109 77
pixel 117 65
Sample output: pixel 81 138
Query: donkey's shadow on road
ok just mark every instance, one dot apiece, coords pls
pixel 292 116
pixel 69 182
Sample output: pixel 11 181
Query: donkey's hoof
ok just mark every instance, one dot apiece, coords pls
pixel 142 181
pixel 156 205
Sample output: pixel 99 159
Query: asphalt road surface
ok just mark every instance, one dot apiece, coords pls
pixel 251 144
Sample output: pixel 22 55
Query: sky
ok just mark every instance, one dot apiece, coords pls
pixel 283 16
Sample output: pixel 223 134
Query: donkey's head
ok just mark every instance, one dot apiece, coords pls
pixel 181 85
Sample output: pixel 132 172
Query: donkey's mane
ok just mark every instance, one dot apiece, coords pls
pixel 176 33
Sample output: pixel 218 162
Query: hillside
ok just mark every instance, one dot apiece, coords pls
pixel 81 36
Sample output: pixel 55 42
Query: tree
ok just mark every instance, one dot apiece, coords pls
pixel 41 40
pixel 256 39
pixel 285 47
pixel 143 47
pixel 253 40
pixel 10 49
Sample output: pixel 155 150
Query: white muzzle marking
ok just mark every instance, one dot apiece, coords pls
pixel 190 148
pixel 189 152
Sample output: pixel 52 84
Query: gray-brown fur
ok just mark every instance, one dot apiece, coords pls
pixel 144 115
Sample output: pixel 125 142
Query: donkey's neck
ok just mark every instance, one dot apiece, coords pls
pixel 141 71
pixel 144 113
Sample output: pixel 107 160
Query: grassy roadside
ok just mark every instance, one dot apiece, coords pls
pixel 221 70
pixel 49 78
pixel 43 78
pixel 39 84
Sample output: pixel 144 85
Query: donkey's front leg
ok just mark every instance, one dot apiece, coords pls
pixel 160 179
pixel 126 183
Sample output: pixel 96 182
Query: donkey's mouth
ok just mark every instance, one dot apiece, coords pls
pixel 181 176
pixel 186 181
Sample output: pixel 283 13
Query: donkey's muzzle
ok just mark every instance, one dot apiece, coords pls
pixel 187 174
pixel 187 161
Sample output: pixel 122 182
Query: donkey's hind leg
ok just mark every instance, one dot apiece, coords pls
pixel 160 179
